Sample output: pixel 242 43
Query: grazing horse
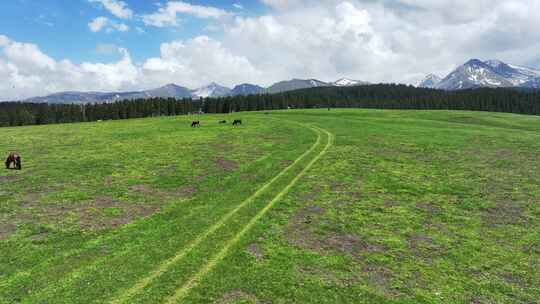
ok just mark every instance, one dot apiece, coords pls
pixel 237 122
pixel 196 124
pixel 222 121
pixel 15 159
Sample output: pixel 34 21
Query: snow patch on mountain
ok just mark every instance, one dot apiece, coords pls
pixel 211 90
pixel 345 82
pixel 430 81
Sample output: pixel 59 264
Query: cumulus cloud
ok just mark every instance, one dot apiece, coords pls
pixel 98 24
pixel 168 14
pixel 198 61
pixel 383 40
pixel 121 27
pixel 284 4
pixel 101 23
pixel 373 40
pixel 193 62
pixel 27 72
pixel 118 8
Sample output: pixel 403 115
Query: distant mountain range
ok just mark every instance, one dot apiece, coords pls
pixel 473 74
pixel 491 73
pixel 176 91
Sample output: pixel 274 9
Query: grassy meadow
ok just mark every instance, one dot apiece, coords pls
pixel 298 206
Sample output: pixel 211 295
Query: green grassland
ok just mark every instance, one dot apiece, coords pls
pixel 302 206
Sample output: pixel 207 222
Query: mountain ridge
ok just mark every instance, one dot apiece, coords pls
pixel 492 73
pixel 172 90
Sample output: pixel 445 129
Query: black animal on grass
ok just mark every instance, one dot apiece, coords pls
pixel 14 158
pixel 222 121
pixel 237 122
pixel 196 124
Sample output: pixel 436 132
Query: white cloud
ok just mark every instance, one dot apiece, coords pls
pixel 167 15
pixel 197 62
pixel 98 24
pixel 375 40
pixel 384 40
pixel 121 27
pixel 118 8
pixel 26 71
pixel 283 4
pixel 101 23
pixel 238 6
pixel 326 41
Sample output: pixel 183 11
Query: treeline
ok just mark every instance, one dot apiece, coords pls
pixel 383 96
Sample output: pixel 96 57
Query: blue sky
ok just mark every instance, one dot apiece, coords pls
pixel 60 27
pixel 48 46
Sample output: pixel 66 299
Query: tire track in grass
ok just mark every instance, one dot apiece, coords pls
pixel 141 284
pixel 184 290
pixel 77 272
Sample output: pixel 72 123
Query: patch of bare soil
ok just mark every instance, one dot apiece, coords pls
pixel 338 187
pixel 380 277
pixel 6 229
pixel 226 164
pixel 300 232
pixel 31 199
pixel 248 177
pixel 533 247
pixel 237 296
pixel 223 147
pixel 504 213
pixel 7 178
pixel 515 280
pixel 91 216
pixel 145 189
pixel 108 180
pixel 310 196
pixel 256 251
pixel 429 208
pixel 329 277
pixel 424 248
pixel 186 191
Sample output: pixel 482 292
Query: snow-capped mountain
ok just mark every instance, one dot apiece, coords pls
pixel 534 83
pixel 431 81
pixel 170 90
pixel 295 84
pixel 515 74
pixel 247 89
pixel 473 74
pixel 345 82
pixel 211 90
pixel 491 73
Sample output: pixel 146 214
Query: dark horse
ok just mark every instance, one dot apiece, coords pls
pixel 237 122
pixel 15 159
pixel 196 124
pixel 222 121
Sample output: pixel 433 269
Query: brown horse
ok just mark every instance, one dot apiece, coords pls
pixel 15 159
pixel 196 124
